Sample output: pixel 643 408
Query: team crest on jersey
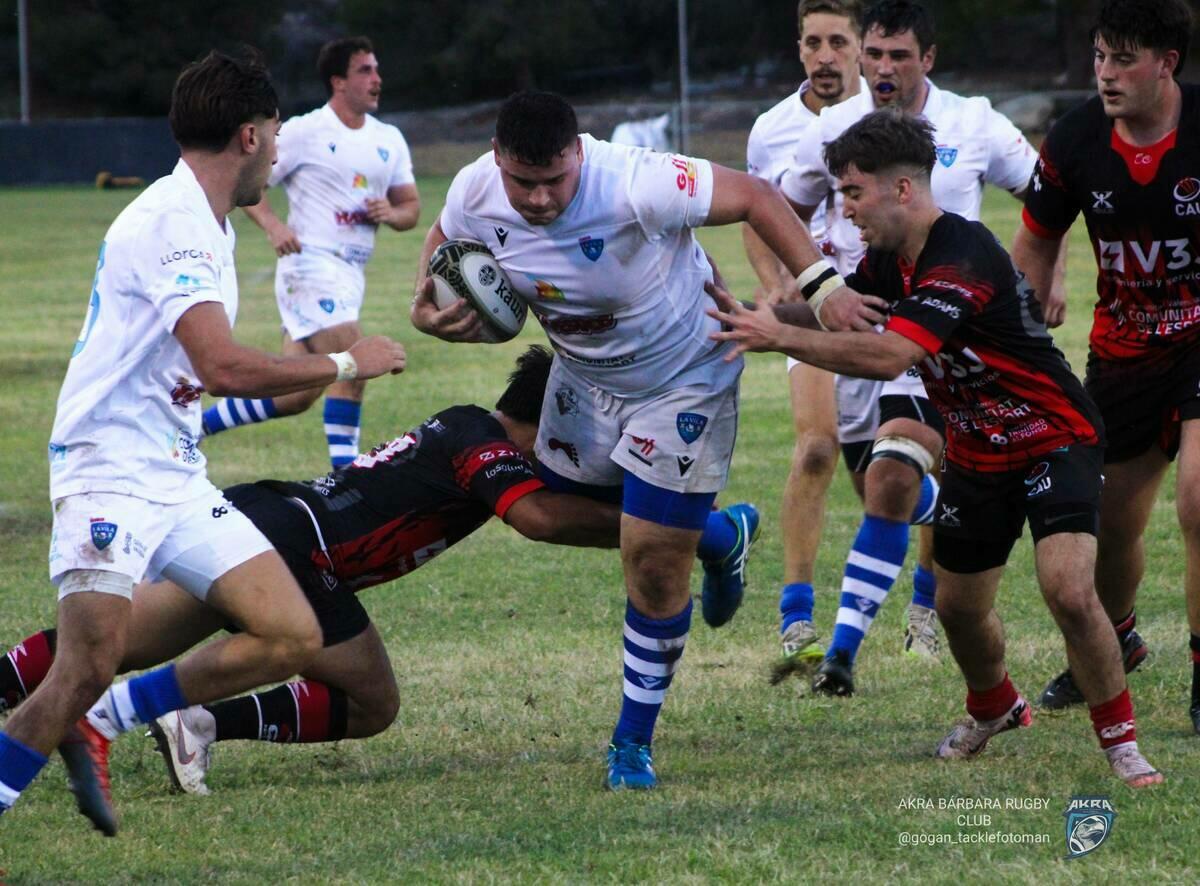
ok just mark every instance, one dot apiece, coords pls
pixel 946 156
pixel 327 305
pixel 1089 822
pixel 103 533
pixel 592 247
pixel 567 402
pixel 383 154
pixel 332 148
pixel 690 426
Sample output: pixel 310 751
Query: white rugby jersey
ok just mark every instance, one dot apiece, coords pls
pixel 129 410
pixel 617 280
pixel 772 144
pixel 328 171
pixel 975 144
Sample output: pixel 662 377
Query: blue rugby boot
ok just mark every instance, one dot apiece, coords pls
pixel 630 767
pixel 724 581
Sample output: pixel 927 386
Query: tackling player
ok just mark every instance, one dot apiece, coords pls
pixel 598 239
pixel 1024 440
pixel 130 492
pixel 830 45
pixel 890 433
pixel 345 174
pixel 1129 160
pixel 388 513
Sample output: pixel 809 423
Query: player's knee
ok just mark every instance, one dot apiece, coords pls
pixel 294 404
pixel 288 651
pixel 815 455
pixel 1187 507
pixel 1071 601
pixel 381 710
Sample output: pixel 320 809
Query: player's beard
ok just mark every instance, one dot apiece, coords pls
pixel 251 182
pixel 831 87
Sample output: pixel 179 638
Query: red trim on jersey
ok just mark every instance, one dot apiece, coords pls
pixel 515 493
pixel 914 333
pixel 312 710
pixel 1037 228
pixel 949 278
pixel 467 463
pixel 1143 162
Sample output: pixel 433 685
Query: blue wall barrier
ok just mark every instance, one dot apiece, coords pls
pixel 74 151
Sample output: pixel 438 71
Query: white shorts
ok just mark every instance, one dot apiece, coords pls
pixel 192 543
pixel 316 290
pixel 681 439
pixel 858 401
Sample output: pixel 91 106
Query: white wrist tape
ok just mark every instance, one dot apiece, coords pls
pixel 347 368
pixel 816 283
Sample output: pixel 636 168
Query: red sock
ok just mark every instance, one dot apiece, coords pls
pixel 1113 721
pixel 991 704
pixel 24 667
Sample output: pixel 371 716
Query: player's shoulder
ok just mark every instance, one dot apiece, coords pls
pixel 165 211
pixel 1084 122
pixel 836 119
pixel 381 129
pixel 958 241
pixel 463 423
pixel 781 115
pixel 307 122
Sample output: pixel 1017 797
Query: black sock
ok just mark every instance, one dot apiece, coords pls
pixel 306 712
pixel 1194 643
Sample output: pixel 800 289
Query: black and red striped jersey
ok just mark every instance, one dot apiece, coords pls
pixel 1142 209
pixel 407 500
pixel 1005 391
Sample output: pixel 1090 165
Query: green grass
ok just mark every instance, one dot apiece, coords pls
pixel 507 656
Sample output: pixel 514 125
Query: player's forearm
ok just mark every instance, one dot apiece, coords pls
pixel 249 372
pixel 1039 260
pixel 404 216
pixel 770 271
pixel 857 354
pixel 571 520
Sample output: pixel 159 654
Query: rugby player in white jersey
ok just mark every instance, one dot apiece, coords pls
pixel 129 487
pixel 641 408
pixel 830 47
pixel 345 174
pixel 975 144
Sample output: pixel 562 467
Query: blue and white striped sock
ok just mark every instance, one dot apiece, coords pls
pixel 795 604
pixel 19 765
pixel 233 411
pixel 342 419
pixel 924 587
pixel 137 701
pixel 653 649
pixel 922 514
pixel 874 562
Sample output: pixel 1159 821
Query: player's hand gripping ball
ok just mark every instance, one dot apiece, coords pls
pixel 467 269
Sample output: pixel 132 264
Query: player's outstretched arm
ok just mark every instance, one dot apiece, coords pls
pixel 227 369
pixel 283 239
pixel 871 354
pixel 566 520
pixel 455 323
pixel 1043 261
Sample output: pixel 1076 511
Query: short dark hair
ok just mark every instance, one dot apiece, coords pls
pixel 215 95
pixel 535 127
pixel 884 139
pixel 1158 25
pixel 334 58
pixel 522 399
pixel 851 9
pixel 896 16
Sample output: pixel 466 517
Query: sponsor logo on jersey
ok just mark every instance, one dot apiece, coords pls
pixel 945 307
pixel 332 148
pixel 1039 480
pixel 1175 253
pixel 567 401
pixel 56 453
pixel 181 254
pixel 185 393
pixel 685 463
pixel 690 426
pixel 646 444
pixel 103 532
pixel 360 182
pixel 326 305
pixel 567 449
pixel 188 283
pixel 577 325
pixel 592 247
pixel 184 449
pixel 949 516
pixel 946 155
pixel 1102 203
pixel 501 234
pixel 1186 193
pixel 1089 822
pixel 686 179
pixel 383 154
pixel 547 291
pixel 355 217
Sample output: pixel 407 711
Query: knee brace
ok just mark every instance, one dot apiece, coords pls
pixel 903 450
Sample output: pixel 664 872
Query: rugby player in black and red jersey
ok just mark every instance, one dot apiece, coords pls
pixel 1024 442
pixel 1129 160
pixel 390 511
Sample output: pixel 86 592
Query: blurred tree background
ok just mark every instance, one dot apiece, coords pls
pixel 120 57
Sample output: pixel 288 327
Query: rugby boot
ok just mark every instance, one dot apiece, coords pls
pixel 1131 767
pixel 184 742
pixel 630 767
pixel 921 637
pixel 801 652
pixel 835 676
pixel 969 737
pixel 724 582
pixel 85 753
pixel 1061 692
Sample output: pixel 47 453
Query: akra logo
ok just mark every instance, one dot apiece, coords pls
pixel 1089 822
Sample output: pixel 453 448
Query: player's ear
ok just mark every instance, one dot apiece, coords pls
pixel 496 151
pixel 1170 61
pixel 579 149
pixel 249 137
pixel 928 59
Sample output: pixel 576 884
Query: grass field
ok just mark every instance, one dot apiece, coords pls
pixel 507 655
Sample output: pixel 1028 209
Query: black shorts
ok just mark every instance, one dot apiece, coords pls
pixel 1143 403
pixel 980 515
pixel 288 527
pixel 857 455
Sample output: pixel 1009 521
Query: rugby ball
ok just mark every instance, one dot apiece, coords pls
pixel 467 269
